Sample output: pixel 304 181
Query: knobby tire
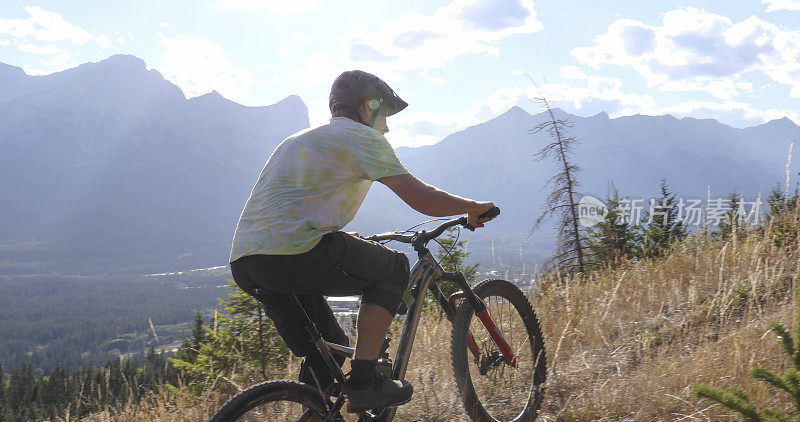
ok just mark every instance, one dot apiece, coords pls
pixel 484 395
pixel 271 401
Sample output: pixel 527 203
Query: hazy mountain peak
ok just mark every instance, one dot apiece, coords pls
pixel 293 101
pixel 7 69
pixel 782 122
pixel 516 110
pixel 126 61
pixel 214 94
pixel 287 107
pixel 210 97
pixel 514 114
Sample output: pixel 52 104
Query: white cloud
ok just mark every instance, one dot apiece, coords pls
pixel 282 49
pixel 427 77
pixel 48 49
pixel 277 7
pixel 319 69
pixel 50 28
pixel 298 37
pixel 102 41
pixel 44 26
pixel 599 94
pixel 199 66
pixel 165 25
pixel 724 89
pixel 698 51
pixel 5 42
pixel 56 58
pixel 736 114
pixel 318 112
pixel 606 95
pixel 414 128
pixel 54 63
pixel 420 42
pixel 416 41
pixel 572 72
pixel 774 5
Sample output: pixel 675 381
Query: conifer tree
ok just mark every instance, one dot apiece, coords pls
pixel 247 321
pixel 198 333
pixel 732 222
pixel 191 345
pixel 22 393
pixel 5 414
pixel 734 398
pixel 776 201
pixel 784 220
pixel 53 393
pixel 243 337
pixel 563 199
pixel 663 226
pixel 613 238
pixel 451 255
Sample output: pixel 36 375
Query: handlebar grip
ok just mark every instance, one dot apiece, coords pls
pixel 493 212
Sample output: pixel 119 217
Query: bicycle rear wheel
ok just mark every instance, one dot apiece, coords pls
pixel 491 389
pixel 273 401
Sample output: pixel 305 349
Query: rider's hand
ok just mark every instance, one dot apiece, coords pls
pixel 477 209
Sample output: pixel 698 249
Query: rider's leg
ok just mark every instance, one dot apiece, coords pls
pixel 341 265
pixel 373 324
pixel 279 309
pixel 365 389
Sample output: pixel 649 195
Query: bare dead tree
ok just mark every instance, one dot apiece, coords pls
pixel 562 200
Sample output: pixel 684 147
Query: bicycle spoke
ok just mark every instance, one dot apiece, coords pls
pixel 521 346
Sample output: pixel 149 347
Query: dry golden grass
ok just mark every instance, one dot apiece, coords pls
pixel 629 343
pixel 622 344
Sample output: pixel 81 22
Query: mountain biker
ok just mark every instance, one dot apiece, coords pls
pixel 288 238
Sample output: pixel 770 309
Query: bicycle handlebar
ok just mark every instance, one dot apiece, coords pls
pixel 425 236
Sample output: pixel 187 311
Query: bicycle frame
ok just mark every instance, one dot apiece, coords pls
pixel 424 276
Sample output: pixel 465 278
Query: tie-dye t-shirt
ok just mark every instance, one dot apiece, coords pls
pixel 312 184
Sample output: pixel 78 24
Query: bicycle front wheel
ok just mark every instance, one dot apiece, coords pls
pixel 274 401
pixel 490 388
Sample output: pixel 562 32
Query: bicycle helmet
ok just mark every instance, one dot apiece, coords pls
pixel 353 87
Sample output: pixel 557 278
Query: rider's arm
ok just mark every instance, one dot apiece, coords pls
pixel 432 201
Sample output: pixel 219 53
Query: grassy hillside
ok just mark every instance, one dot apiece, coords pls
pixel 623 344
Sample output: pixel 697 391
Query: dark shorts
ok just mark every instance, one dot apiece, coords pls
pixel 339 265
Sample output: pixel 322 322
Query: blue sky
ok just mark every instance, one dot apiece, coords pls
pixel 457 63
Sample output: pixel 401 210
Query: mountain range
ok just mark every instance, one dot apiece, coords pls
pixel 108 167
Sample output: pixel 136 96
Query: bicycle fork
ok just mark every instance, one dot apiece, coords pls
pixel 481 312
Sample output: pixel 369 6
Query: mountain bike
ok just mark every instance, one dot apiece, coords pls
pixel 497 349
